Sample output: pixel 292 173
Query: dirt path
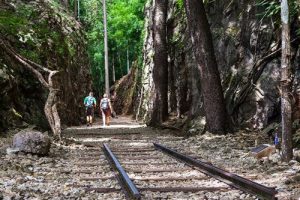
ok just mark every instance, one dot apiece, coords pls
pixel 119 122
pixel 53 177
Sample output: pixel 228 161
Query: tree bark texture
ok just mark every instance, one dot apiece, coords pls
pixel 172 88
pixel 76 8
pixel 50 110
pixel 160 69
pixel 286 90
pixel 146 90
pixel 201 38
pixel 127 57
pixel 113 70
pixel 105 49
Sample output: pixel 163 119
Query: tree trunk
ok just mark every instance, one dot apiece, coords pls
pixel 75 8
pixel 105 49
pixel 172 87
pixel 113 69
pixel 127 61
pixel 78 10
pixel 120 63
pixel 51 112
pixel 286 90
pixel 201 38
pixel 182 88
pixel 160 68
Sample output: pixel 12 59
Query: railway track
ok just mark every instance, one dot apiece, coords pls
pixel 151 173
pixel 134 168
pixel 105 165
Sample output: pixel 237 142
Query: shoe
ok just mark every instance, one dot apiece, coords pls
pixel 87 124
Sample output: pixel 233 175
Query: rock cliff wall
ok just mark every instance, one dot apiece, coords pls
pixel 44 32
pixel 247 48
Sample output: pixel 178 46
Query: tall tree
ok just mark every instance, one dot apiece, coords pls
pixel 160 68
pixel 113 70
pixel 127 54
pixel 125 22
pixel 76 8
pixel 286 106
pixel 105 49
pixel 201 38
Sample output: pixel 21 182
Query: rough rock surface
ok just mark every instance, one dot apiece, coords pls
pixel 32 142
pixel 243 43
pixel 54 39
pixel 123 99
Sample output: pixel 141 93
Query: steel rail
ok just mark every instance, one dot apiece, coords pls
pixel 234 180
pixel 135 194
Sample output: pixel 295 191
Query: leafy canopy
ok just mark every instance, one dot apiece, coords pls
pixel 125 20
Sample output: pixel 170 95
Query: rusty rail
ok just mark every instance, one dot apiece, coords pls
pixel 132 189
pixel 234 180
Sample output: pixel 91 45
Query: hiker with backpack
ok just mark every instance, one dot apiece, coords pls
pixel 90 104
pixel 105 107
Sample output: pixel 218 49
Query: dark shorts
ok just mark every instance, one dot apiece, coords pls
pixel 90 111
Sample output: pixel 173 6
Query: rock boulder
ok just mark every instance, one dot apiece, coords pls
pixel 33 142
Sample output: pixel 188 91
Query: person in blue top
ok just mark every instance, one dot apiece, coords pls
pixel 89 103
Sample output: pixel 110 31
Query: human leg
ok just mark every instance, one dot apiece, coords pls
pixel 103 119
pixel 91 120
pixel 91 116
pixel 107 117
pixel 87 117
pixel 87 120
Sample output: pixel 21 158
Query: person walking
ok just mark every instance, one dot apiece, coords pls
pixel 105 107
pixel 90 103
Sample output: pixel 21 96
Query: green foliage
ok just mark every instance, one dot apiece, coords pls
pixel 29 26
pixel 12 23
pixel 125 22
pixel 38 30
pixel 298 32
pixel 43 32
pixel 180 4
pixel 271 9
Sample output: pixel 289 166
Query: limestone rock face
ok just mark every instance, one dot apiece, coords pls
pixel 32 142
pixel 248 66
pixel 55 40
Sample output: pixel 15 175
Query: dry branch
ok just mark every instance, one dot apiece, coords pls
pixel 50 108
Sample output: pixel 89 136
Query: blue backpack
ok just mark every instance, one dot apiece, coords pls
pixel 90 102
